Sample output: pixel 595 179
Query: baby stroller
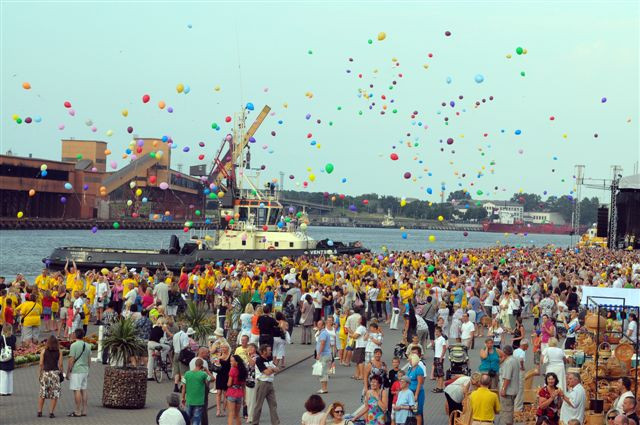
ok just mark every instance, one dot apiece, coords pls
pixel 400 350
pixel 459 361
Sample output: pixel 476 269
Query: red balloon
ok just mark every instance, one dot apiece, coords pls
pixel 407 175
pixel 186 229
pixel 394 156
pixel 200 157
pixel 365 202
pixel 152 179
pixel 341 196
pixel 146 98
pixel 67 104
pixel 309 135
pixel 265 228
pixel 450 141
pixel 227 119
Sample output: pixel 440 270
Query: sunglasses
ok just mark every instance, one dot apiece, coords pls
pixel 339 412
pixel 611 418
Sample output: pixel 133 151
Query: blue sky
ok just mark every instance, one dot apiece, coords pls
pixel 104 56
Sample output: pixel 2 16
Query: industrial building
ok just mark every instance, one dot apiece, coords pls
pixel 96 191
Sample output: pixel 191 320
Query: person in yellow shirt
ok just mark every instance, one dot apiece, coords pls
pixel 71 274
pixel 87 316
pixel 43 281
pixel 484 403
pixel 30 312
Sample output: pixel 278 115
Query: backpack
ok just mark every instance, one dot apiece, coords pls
pixel 6 353
pixel 186 355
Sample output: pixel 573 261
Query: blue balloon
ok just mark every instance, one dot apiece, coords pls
pixel 280 225
pixel 449 80
pixel 128 151
pixel 429 190
pixel 207 221
pixel 250 106
pixel 165 138
pixel 68 186
pixel 518 132
pixel 144 200
pixel 43 173
pixel 330 242
pixel 207 191
pixel 37 118
pixel 344 180
pixel 479 78
pixel 404 236
pixel 187 89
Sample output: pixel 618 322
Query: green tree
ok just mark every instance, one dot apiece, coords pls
pixel 458 195
pixel 530 201
pixel 475 213
pixel 564 206
pixel 589 211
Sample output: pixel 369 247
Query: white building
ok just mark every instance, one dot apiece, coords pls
pixel 544 217
pixel 507 212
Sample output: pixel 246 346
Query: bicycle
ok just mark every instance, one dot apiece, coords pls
pixel 160 366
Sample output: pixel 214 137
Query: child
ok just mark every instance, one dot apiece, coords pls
pixel 395 387
pixel 536 316
pixel 47 302
pixel 537 342
pixel 8 314
pixel 404 402
pixel 374 340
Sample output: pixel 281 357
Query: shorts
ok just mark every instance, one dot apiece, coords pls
pixel 453 405
pixel 78 381
pixel 46 317
pixel 368 355
pixel 358 355
pixel 536 357
pixel 438 368
pixel 30 332
pixel 178 366
pixel 235 399
pixel 63 314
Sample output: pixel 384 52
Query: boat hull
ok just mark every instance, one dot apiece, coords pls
pixel 545 229
pixel 97 258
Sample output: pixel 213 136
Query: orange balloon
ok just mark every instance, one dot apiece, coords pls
pixel 32 192
pixel 107 152
pixel 26 85
pixel 161 104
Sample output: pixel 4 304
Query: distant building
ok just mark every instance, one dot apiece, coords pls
pixel 506 212
pixel 544 217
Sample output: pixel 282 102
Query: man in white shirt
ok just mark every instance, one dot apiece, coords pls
pixel 624 386
pixel 172 415
pixel 291 276
pixel 467 330
pixel 161 291
pixel 575 399
pixel 440 348
pixel 520 354
pixel 180 341
pixel 102 292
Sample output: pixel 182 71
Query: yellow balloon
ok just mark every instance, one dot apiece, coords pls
pixel 124 112
pixel 509 56
pixel 15 117
pixel 221 194
pixel 382 36
pixel 129 202
pixel 138 192
pixel 180 88
pixel 432 238
pixel 109 133
pixel 217 88
pixel 312 177
pixel 440 218
pixel 403 202
pixel 159 154
pixel 20 214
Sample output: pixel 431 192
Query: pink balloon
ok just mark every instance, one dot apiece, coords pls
pixel 72 112
pixel 113 164
pixel 164 186
pixel 60 126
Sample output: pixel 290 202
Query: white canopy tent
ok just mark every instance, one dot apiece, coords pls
pixel 611 296
pixel 630 182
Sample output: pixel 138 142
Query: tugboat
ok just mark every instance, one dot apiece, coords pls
pixel 250 224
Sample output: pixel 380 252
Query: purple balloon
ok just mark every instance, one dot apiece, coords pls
pixel 94 229
pixel 185 149
pixel 63 200
pixel 252 139
pixel 170 109
pixel 85 187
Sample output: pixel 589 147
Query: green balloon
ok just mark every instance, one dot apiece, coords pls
pixel 116 225
pixel 329 168
pixel 298 214
pixel 519 50
pixel 502 261
pixel 152 154
pixel 198 212
pixel 19 120
pixel 479 192
pixel 430 280
pixel 522 73
pixel 431 268
pixel 370 41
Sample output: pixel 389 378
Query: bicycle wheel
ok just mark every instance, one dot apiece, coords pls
pixel 168 369
pixel 157 370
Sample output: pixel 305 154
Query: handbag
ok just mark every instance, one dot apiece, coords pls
pixel 61 375
pixel 185 356
pixel 25 316
pixel 6 353
pixel 316 369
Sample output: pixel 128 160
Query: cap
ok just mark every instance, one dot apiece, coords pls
pixel 292 270
pixel 190 331
pixel 406 379
pixel 133 270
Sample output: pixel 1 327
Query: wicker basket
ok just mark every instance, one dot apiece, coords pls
pixel 616 368
pixel 604 351
pixel 594 321
pixel 624 352
pixel 594 418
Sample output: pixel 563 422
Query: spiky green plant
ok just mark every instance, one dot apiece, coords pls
pixel 123 342
pixel 238 304
pixel 197 318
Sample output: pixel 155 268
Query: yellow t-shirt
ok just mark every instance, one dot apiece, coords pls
pixel 202 285
pixel 31 313
pixel 87 314
pixel 43 282
pixel 91 293
pixel 55 305
pixel 70 281
pixel 484 405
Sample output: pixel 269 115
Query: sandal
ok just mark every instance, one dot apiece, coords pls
pixel 322 392
pixel 73 415
pixel 39 414
pixel 51 415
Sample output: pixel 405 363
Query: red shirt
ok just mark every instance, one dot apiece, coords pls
pixel 183 282
pixel 47 301
pixel 237 388
pixel 8 315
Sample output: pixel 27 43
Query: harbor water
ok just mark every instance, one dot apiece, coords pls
pixel 22 251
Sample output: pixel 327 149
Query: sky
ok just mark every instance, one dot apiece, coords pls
pixel 314 59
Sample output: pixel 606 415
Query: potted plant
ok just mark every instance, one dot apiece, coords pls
pixel 197 318
pixel 124 385
pixel 232 317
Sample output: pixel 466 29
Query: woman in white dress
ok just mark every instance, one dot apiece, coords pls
pixel 443 313
pixel 245 322
pixel 330 326
pixel 456 323
pixel 553 359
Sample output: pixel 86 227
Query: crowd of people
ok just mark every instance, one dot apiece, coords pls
pixel 436 300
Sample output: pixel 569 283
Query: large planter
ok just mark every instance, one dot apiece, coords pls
pixel 124 388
